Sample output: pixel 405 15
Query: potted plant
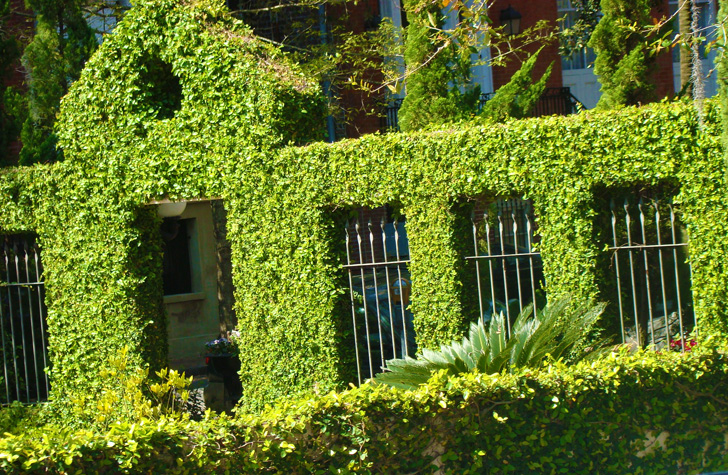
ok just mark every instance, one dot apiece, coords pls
pixel 222 360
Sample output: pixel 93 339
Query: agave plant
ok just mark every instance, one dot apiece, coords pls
pixel 557 330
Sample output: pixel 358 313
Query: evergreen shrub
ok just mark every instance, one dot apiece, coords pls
pixel 645 412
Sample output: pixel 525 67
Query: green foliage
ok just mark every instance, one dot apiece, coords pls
pixel 102 250
pixel 17 418
pixel 722 66
pixel 627 413
pixel 102 254
pixel 518 97
pixel 62 43
pixel 551 334
pixel 624 60
pixel 227 133
pixel 128 394
pixel 436 71
pixel 9 52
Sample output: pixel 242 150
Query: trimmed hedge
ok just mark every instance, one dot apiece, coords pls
pixel 224 121
pixel 628 413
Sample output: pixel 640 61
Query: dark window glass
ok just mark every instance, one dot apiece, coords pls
pixel 176 274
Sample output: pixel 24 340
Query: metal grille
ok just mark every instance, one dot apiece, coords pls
pixel 649 260
pixel 508 268
pixel 390 120
pixel 22 322
pixel 553 101
pixel 377 254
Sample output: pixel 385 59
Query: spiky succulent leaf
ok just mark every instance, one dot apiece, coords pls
pixel 551 332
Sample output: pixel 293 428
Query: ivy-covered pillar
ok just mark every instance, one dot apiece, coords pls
pixel 438 269
pixel 102 269
pixel 568 248
pixel 288 293
pixel 705 215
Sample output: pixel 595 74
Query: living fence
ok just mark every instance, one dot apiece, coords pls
pixel 23 333
pixel 648 267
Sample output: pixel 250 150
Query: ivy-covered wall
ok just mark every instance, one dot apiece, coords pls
pixel 182 102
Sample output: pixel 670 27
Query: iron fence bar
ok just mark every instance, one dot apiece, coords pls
pixel 628 222
pixel 377 264
pixel 5 359
pixel 616 262
pixel 376 293
pixel 505 276
pixel 32 324
pixel 364 296
pixel 662 272
pixel 389 291
pixel 22 325
pixel 353 305
pixel 677 278
pixel 640 247
pixel 529 235
pixel 477 264
pixel 490 262
pixel 12 326
pixel 401 290
pixel 36 260
pixel 640 206
pixel 518 263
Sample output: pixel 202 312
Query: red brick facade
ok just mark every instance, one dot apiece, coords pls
pixel 534 10
pixel 531 11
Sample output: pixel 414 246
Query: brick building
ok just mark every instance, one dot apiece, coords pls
pixel 576 72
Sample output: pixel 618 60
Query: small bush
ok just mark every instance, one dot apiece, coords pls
pixel 626 413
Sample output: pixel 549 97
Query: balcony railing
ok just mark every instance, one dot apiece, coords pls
pixel 554 101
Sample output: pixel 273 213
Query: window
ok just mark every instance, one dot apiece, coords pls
pixel 580 59
pixel 377 255
pixel 507 262
pixel 177 269
pixel 706 19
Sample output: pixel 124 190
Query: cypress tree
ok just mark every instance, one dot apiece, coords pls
pixel 62 43
pixel 624 60
pixel 435 72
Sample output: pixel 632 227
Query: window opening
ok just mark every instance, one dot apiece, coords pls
pixel 584 58
pixel 161 87
pixel 649 256
pixel 377 256
pixel 508 266
pixel 177 271
pixel 706 29
pixel 23 331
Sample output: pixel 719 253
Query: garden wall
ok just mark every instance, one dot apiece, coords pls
pixel 230 131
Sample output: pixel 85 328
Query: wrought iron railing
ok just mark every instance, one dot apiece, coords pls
pixel 23 333
pixel 379 288
pixel 390 120
pixel 554 101
pixel 508 268
pixel 652 274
